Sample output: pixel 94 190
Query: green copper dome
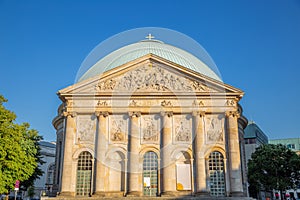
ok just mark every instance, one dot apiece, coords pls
pixel 136 50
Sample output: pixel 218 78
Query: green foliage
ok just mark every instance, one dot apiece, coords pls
pixel 19 151
pixel 273 167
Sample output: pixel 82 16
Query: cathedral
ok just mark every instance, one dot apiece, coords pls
pixel 150 119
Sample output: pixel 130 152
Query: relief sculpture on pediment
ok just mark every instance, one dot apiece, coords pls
pixel 154 78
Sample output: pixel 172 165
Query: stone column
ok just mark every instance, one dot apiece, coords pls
pixel 168 169
pixel 236 185
pixel 134 185
pixel 70 131
pixel 201 187
pixel 101 141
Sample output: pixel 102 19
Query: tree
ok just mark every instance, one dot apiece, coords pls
pixel 273 167
pixel 19 151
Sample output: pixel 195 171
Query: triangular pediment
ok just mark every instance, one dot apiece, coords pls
pixel 150 74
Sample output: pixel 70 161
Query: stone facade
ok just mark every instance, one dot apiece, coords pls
pixel 150 128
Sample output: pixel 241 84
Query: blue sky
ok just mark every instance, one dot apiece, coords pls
pixel 255 44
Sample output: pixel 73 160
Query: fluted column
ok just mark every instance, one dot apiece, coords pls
pixel 100 153
pixel 67 157
pixel 135 184
pixel 236 185
pixel 201 187
pixel 168 169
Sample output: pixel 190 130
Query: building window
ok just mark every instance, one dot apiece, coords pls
pixel 216 174
pixel 50 174
pixel 150 174
pixel 290 146
pixel 250 141
pixel 84 174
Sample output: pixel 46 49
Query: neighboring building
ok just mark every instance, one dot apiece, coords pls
pixel 150 119
pixel 44 183
pixel 254 137
pixel 291 143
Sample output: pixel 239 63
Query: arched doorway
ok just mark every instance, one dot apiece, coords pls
pixel 150 174
pixel 84 174
pixel 116 164
pixel 216 174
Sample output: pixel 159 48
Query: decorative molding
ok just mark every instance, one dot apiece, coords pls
pixel 166 113
pixel 102 113
pixel 133 103
pixel 198 113
pixel 69 114
pixel 134 114
pixel 230 102
pixel 165 103
pixel 232 113
pixel 102 103
pixel 69 103
pixel 196 103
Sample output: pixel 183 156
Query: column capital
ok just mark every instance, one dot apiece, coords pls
pixel 232 113
pixel 101 113
pixel 134 114
pixel 166 113
pixel 198 113
pixel 71 114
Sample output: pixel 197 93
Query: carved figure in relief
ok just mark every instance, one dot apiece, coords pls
pixel 182 133
pixel 153 78
pixel 85 129
pixel 215 131
pixel 107 85
pixel 149 131
pixel 117 133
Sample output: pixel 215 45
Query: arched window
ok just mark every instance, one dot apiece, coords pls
pixel 150 174
pixel 84 174
pixel 216 174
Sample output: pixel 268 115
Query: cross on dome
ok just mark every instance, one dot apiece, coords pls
pixel 150 37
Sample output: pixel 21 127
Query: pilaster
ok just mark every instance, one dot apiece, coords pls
pixel 101 140
pixel 134 185
pixel 168 168
pixel 236 185
pixel 201 187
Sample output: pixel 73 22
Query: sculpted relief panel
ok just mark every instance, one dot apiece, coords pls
pixel 118 129
pixel 214 125
pixel 150 126
pixel 153 78
pixel 86 128
pixel 182 129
